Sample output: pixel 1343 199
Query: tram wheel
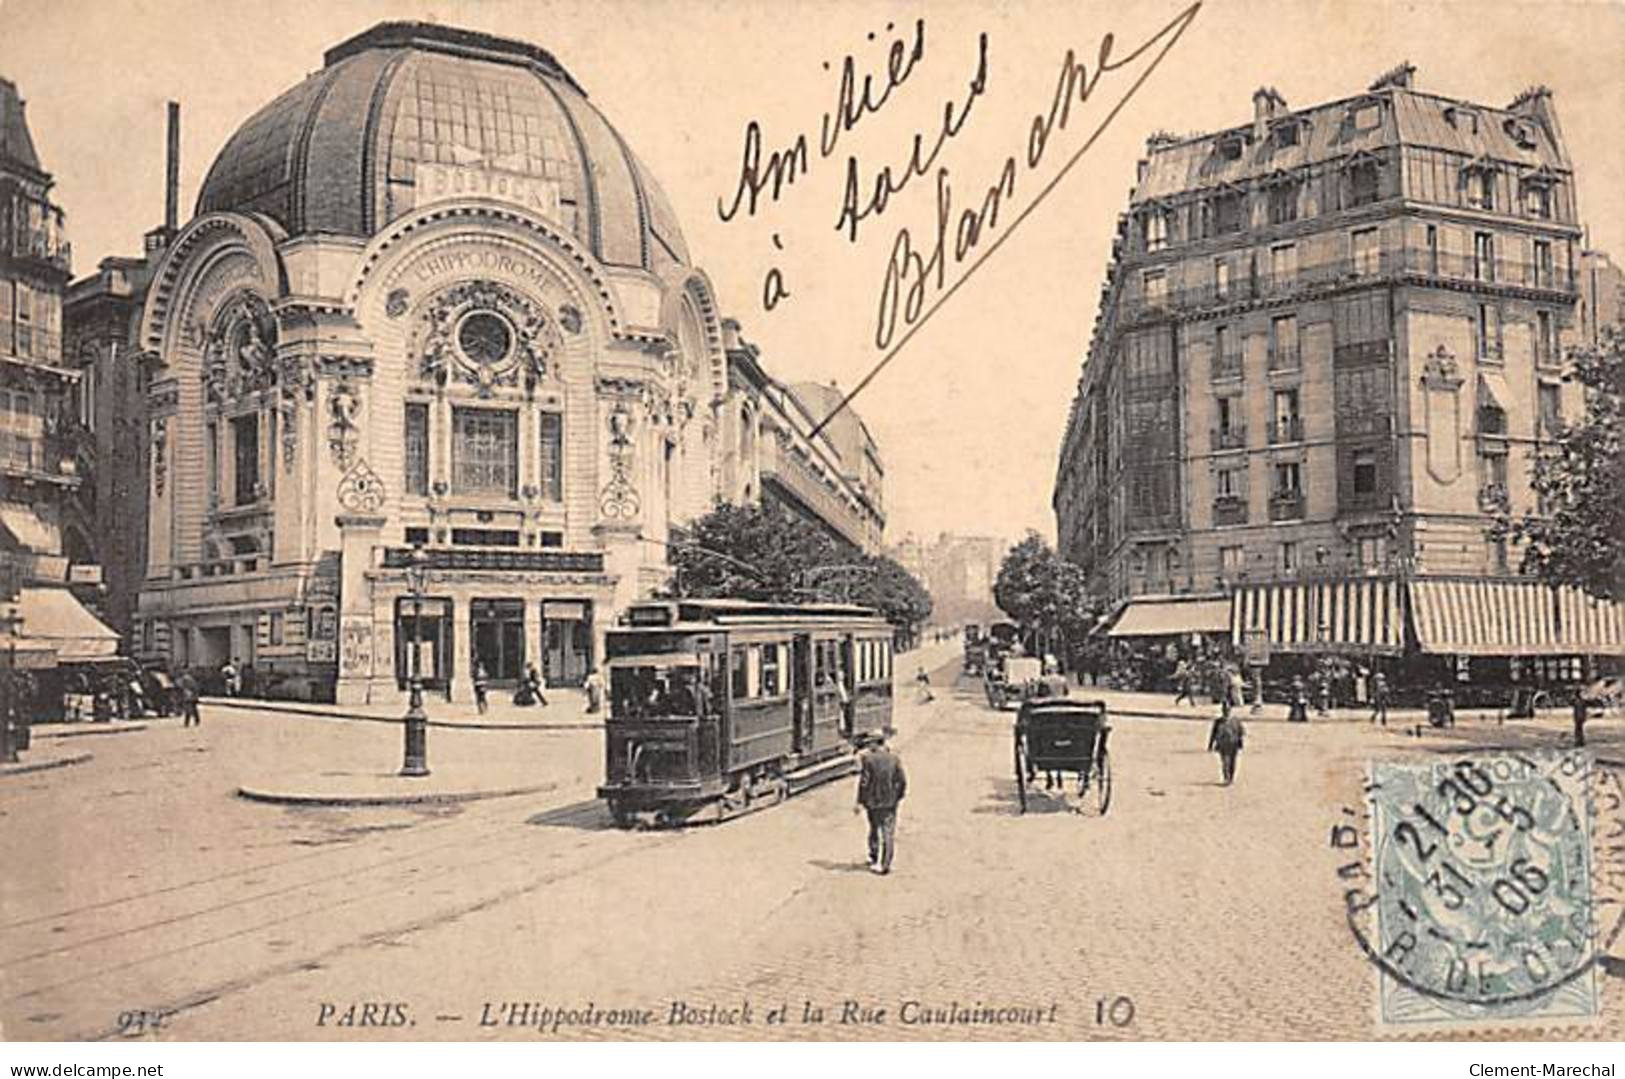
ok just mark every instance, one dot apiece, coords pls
pixel 1103 788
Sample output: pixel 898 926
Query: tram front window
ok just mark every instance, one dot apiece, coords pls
pixel 655 692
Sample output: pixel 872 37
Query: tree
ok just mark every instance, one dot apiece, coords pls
pixel 1044 594
pixel 763 552
pixel 1577 537
pixel 893 591
pixel 750 552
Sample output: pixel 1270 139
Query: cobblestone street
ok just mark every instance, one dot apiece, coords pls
pixel 1213 912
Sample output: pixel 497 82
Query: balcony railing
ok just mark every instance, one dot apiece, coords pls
pixel 1286 506
pixel 1286 429
pixel 1285 358
pixel 1418 262
pixel 499 559
pixel 1233 437
pixel 1357 353
pixel 1493 498
pixel 1364 423
pixel 42 245
pixel 1229 510
pixel 1226 365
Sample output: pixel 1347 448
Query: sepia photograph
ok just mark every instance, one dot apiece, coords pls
pixel 538 521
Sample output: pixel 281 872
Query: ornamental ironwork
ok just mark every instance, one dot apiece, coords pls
pixel 485 334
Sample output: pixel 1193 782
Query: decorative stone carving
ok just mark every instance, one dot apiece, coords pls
pixel 619 498
pixel 1441 397
pixel 160 454
pixel 485 334
pixel 570 319
pixel 397 302
pixel 1440 370
pixel 362 490
pixel 343 432
pixel 239 350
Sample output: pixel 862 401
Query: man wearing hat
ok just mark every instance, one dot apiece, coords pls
pixel 881 784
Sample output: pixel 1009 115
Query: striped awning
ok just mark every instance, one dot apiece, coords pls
pixel 1513 618
pixel 1313 616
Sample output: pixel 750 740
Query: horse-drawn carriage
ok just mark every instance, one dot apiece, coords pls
pixel 1056 736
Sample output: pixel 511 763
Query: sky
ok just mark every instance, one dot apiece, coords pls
pixel 970 408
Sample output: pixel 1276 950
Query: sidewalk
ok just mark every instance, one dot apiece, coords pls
pixel 43 757
pixel 566 711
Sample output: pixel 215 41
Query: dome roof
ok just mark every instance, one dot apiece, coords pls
pixel 345 150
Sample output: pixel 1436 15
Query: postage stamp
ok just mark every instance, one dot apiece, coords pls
pixel 1482 905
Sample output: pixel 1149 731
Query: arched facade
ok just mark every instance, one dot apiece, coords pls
pixel 497 352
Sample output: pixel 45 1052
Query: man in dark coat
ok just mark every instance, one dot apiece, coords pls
pixel 881 785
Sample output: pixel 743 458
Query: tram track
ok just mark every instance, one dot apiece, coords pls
pixel 495 849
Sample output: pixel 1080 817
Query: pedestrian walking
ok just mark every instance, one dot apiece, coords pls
pixel 482 682
pixel 187 687
pixel 1237 688
pixel 593 684
pixel 1182 679
pixel 1228 734
pixel 232 680
pixel 1298 711
pixel 1323 691
pixel 881 786
pixel 922 682
pixel 529 692
pixel 1379 698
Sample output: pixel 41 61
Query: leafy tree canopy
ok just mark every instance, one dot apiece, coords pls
pixel 763 552
pixel 1043 593
pixel 1578 536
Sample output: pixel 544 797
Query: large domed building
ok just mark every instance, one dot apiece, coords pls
pixel 430 297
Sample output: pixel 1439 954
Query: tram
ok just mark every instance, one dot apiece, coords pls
pixel 721 706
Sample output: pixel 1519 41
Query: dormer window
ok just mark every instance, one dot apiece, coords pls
pixel 1155 225
pixel 1287 134
pixel 1364 182
pixel 1365 115
pixel 1229 147
pixel 1463 120
pixel 1521 132
pixel 1537 193
pixel 1479 179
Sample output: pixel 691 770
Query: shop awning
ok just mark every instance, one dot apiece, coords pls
pixel 52 617
pixel 1493 385
pixel 1170 617
pixel 27 531
pixel 1316 616
pixel 1513 618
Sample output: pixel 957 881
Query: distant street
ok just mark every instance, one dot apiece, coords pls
pixel 1190 911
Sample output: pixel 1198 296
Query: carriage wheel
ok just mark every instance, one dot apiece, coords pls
pixel 1021 776
pixel 1103 784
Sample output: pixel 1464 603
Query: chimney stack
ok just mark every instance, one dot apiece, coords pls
pixel 1267 104
pixel 172 170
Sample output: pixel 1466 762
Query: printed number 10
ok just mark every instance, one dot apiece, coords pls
pixel 1119 1011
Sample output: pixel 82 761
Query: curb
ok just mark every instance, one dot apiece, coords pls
pixel 363 800
pixel 131 729
pixel 318 713
pixel 9 770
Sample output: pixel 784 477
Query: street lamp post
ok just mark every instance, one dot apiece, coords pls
pixel 416 761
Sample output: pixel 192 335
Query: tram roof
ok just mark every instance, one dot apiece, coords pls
pixel 740 611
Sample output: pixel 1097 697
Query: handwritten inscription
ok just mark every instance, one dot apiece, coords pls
pixel 922 269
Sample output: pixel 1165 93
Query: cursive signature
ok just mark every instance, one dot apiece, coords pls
pixel 783 166
pixel 915 274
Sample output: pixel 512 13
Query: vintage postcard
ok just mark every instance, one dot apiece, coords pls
pixel 529 521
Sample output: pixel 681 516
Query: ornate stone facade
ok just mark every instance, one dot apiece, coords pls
pixel 485 373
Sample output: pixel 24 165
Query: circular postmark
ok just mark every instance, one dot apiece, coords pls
pixel 1481 895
